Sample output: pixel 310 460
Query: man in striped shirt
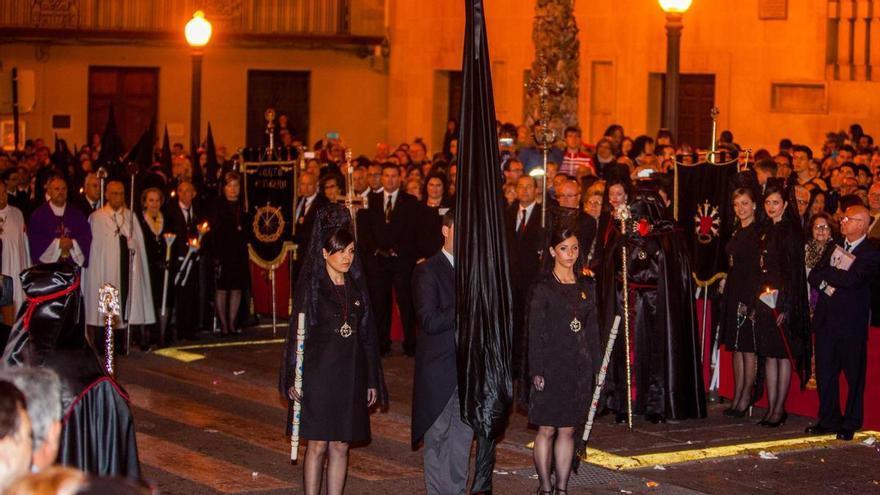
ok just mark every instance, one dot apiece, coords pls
pixel 574 157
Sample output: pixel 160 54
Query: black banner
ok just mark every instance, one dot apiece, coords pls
pixel 269 188
pixel 705 212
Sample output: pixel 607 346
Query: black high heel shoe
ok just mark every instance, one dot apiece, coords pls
pixel 655 418
pixel 736 413
pixel 777 424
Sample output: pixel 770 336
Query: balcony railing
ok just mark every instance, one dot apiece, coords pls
pixel 235 21
pixel 853 40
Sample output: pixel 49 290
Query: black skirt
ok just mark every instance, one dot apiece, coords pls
pixel 565 359
pixel 334 404
pixel 741 290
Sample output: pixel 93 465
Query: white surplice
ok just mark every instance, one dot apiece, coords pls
pixel 16 256
pixel 104 267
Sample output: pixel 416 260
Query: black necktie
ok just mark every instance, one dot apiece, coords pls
pixel 522 222
pixel 388 210
pixel 847 246
pixel 302 210
pixel 188 215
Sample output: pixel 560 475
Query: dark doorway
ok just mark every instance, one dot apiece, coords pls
pixel 285 91
pixel 455 82
pixel 696 97
pixel 134 94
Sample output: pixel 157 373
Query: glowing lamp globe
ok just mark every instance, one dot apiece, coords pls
pixel 675 6
pixel 197 30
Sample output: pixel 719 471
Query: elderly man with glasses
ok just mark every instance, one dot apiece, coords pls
pixel 843 279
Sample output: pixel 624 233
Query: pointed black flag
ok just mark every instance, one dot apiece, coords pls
pixel 198 178
pixel 111 149
pixel 139 161
pixel 165 160
pixel 212 166
pixel 483 311
pixel 142 151
pixel 62 158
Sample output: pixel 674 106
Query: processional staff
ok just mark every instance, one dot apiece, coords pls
pixel 600 381
pixel 544 86
pixel 622 213
pixel 351 202
pixel 108 305
pixel 297 385
pixel 102 177
pixel 269 115
pixel 163 310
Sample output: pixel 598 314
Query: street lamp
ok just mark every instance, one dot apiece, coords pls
pixel 675 10
pixel 198 33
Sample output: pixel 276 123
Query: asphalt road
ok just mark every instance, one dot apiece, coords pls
pixel 215 425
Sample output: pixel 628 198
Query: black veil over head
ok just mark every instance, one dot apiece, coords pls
pixel 796 301
pixel 328 220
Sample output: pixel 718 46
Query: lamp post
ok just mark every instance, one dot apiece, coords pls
pixel 198 33
pixel 674 10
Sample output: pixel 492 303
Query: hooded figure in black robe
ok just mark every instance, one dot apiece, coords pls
pixel 97 434
pixel 667 377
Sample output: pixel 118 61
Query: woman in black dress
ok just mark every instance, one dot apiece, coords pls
pixel 342 376
pixel 228 249
pixel 437 202
pixel 153 226
pixel 738 301
pixel 563 357
pixel 783 334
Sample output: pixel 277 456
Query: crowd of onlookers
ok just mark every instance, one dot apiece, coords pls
pixel 826 181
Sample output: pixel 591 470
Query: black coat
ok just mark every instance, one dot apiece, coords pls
pixel 524 248
pixel 404 235
pixel 176 223
pixel 845 312
pixel 435 374
pixel 81 203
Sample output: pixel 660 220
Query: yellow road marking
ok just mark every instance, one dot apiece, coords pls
pixel 180 352
pixel 618 462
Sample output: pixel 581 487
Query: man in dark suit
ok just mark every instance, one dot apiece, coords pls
pixel 89 199
pixel 183 219
pixel 392 239
pixel 436 413
pixel 309 202
pixel 525 239
pixel 841 325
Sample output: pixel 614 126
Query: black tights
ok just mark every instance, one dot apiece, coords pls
pixel 745 367
pixel 227 312
pixel 336 456
pixel 558 452
pixel 778 372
